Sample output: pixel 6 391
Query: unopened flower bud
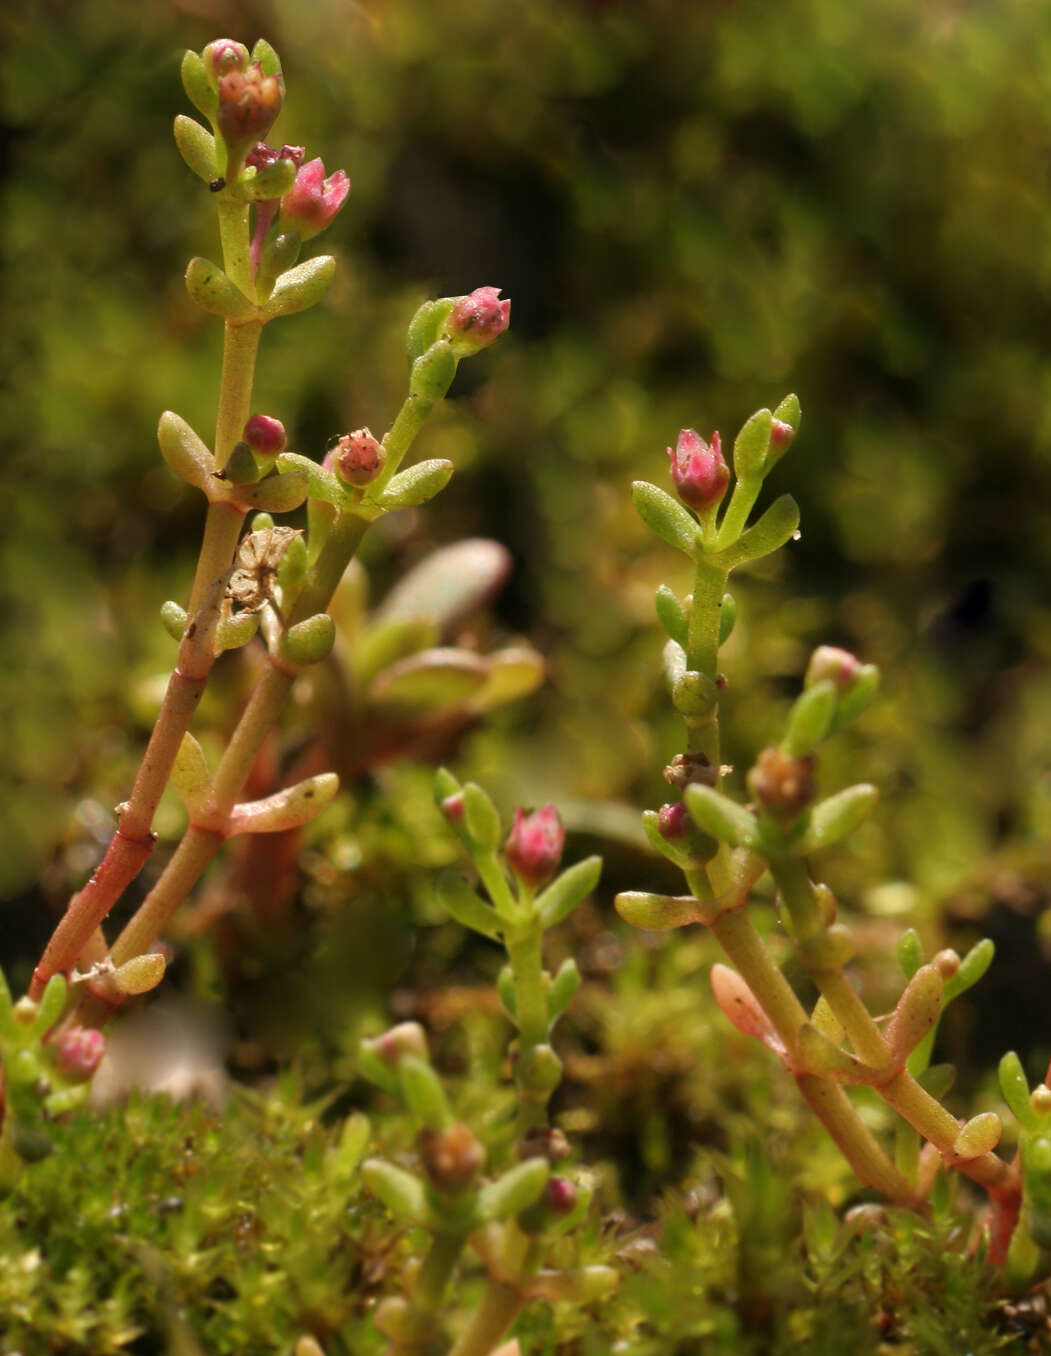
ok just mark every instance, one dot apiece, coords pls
pixel 560 1196
pixel 783 785
pixel 453 807
pixel 249 102
pixel 676 826
pixel 407 1038
pixel 673 821
pixel 223 56
pixel 699 470
pixel 265 435
pixel 781 436
pixel 312 201
pixel 947 963
pixel 534 847
pixel 358 457
pixel 452 1158
pixel 832 663
pixel 78 1051
pixel 476 320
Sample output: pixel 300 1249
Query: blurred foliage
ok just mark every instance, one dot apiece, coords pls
pixel 695 208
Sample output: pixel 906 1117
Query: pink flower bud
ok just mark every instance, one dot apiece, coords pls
pixel 249 102
pixel 534 847
pixel 453 807
pixel 407 1038
pixel 312 201
pixel 78 1051
pixel 781 436
pixel 265 435
pixel 560 1196
pixel 698 470
pixel 358 457
pixel 832 663
pixel 673 821
pixel 476 320
pixel 222 56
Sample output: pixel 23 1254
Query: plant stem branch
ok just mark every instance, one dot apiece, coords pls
pixel 502 1300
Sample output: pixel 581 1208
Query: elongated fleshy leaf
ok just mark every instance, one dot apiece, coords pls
pixel 916 1012
pixel 1015 1087
pixel 563 987
pixel 173 618
pixel 190 777
pixel 423 1092
pixel 286 809
pixel 810 719
pixel 184 452
pixel 566 891
pixel 301 287
pixel 665 516
pixel 743 1008
pixel 140 975
pixel 431 680
pixel 513 1192
pixel 403 1194
pixel 321 484
pixel 838 816
pixel 671 615
pixel 276 494
pixel 449 584
pixel 773 529
pixel 196 146
pixel 751 445
pixel 235 631
pixel 511 675
pixel 721 817
pixel 457 898
pixel 656 913
pixel 311 640
pixel 215 293
pixel 481 816
pixel 416 485
pixel 979 1136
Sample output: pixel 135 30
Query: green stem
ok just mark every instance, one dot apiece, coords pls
pixel 428 1295
pixel 240 347
pixel 734 928
pixel 399 438
pixel 527 969
pixel 901 1091
pixel 131 844
pixel 502 1301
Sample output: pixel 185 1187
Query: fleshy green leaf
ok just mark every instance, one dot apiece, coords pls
pixel 665 516
pixel 566 891
pixel 721 817
pixel 774 528
pixel 196 146
pixel 215 293
pixel 656 913
pixel 301 287
pixel 416 484
pixel 430 681
pixel 837 817
pixel 458 899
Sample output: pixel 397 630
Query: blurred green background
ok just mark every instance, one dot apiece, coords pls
pixel 695 207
